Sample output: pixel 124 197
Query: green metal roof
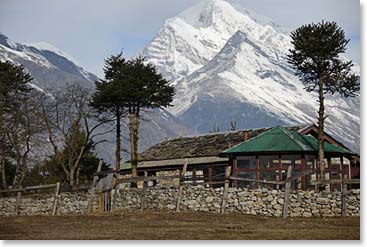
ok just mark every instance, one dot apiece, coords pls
pixel 282 140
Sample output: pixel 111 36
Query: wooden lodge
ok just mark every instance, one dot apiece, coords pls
pixel 263 153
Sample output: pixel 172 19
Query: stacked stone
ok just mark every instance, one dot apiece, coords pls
pixel 264 202
pixel 69 203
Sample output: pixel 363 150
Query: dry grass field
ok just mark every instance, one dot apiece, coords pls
pixel 169 225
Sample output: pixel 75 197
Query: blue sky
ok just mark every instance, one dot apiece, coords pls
pixel 92 30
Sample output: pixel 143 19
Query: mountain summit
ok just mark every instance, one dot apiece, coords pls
pixel 228 65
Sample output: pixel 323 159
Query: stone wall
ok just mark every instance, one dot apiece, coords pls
pixel 198 198
pixel 256 202
pixel 42 204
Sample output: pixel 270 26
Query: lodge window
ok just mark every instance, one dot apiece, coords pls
pixel 268 161
pixel 246 162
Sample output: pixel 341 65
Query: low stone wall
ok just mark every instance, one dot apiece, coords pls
pixel 256 202
pixel 42 204
pixel 262 202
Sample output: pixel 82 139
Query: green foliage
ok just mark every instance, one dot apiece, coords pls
pixel 51 171
pixel 315 56
pixel 133 84
pixel 111 93
pixel 233 125
pixel 9 172
pixel 14 81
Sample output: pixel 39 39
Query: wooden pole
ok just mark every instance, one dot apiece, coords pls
pixel 303 168
pixel 16 210
pixel 287 192
pixel 280 174
pixel 234 165
pixel 257 171
pixel 226 188
pixel 344 197
pixel 180 188
pixel 56 198
pixel 145 186
pixel 210 174
pixel 94 183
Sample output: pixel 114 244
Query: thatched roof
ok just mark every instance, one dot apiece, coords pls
pixel 201 145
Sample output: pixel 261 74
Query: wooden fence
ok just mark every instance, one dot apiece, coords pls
pixel 107 197
pixel 34 188
pixel 226 179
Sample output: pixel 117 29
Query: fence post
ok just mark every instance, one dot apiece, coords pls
pixel 344 197
pixel 286 192
pixel 56 198
pixel 91 196
pixel 226 188
pixel 180 188
pixel 16 210
pixel 145 186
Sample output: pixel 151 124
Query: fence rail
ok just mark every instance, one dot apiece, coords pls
pixel 46 186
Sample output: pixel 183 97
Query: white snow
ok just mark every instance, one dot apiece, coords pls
pixel 216 50
pixel 49 47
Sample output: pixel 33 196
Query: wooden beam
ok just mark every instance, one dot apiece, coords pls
pixel 287 192
pixel 210 174
pixel 234 172
pixel 94 183
pixel 149 178
pixel 303 167
pixel 180 187
pixel 145 186
pixel 344 197
pixel 280 168
pixel 336 181
pixel 47 186
pixel 256 180
pixel 16 209
pixel 226 188
pixel 56 198
pixel 257 171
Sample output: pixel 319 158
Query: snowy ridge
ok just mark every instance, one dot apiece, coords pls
pixel 47 64
pixel 229 64
pixel 44 46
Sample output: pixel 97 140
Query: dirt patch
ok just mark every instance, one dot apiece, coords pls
pixel 169 225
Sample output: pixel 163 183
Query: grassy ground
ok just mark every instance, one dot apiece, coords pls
pixel 168 225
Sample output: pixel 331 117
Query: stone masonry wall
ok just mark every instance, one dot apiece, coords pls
pixel 256 202
pixel 262 202
pixel 42 204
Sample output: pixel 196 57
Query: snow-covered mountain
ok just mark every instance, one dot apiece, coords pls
pixel 49 66
pixel 52 68
pixel 228 64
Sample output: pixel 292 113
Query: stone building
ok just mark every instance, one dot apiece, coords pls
pixel 203 154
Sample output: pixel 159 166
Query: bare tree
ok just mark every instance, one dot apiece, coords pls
pixel 22 132
pixel 64 113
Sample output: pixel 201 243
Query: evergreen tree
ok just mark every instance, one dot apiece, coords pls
pixel 233 125
pixel 146 89
pixel 315 57
pixel 13 89
pixel 110 98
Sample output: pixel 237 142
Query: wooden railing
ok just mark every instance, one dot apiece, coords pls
pixel 33 188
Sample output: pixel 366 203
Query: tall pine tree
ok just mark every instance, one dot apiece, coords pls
pixel 147 89
pixel 315 57
pixel 14 88
pixel 111 96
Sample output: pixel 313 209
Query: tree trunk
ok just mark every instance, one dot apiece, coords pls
pixel 2 164
pixel 71 178
pixel 2 146
pixel 134 138
pixel 321 129
pixel 118 146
